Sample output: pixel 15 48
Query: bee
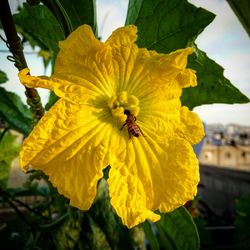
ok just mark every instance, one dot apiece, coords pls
pixel 133 128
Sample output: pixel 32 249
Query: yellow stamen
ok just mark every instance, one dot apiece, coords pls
pixel 122 102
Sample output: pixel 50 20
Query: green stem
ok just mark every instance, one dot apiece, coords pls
pixel 18 212
pixel 15 47
pixel 10 197
pixel 3 133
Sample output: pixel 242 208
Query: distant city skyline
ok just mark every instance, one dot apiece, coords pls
pixel 224 40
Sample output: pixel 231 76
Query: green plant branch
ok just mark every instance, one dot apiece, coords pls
pixel 20 214
pixel 12 198
pixel 15 47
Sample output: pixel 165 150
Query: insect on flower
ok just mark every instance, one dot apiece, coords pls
pixel 133 128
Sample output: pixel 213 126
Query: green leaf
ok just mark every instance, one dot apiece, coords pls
pixel 9 150
pixel 205 235
pixel 242 222
pixel 167 25
pixel 44 53
pixel 14 112
pixel 212 87
pixel 116 234
pixel 93 236
pixel 46 56
pixel 4 173
pixel 68 234
pixel 39 23
pixel 30 38
pixel 150 235
pixel 43 26
pixel 177 231
pixel 3 77
pixel 78 12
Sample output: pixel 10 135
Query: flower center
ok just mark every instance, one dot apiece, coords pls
pixel 121 102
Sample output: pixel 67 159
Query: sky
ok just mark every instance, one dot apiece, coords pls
pixel 224 40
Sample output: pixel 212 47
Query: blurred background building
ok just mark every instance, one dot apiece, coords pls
pixel 227 146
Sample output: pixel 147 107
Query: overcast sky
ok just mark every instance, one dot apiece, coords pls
pixel 224 40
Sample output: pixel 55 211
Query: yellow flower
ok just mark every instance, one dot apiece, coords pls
pixel 100 85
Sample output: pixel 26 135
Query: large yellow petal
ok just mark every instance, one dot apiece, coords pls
pixel 187 78
pixel 174 171
pixel 82 94
pixel 179 57
pixel 128 196
pixel 135 69
pixel 163 118
pixel 36 82
pixel 79 43
pixel 191 127
pixel 152 175
pixel 124 53
pixel 69 144
pixel 139 69
pixel 84 60
pixel 83 71
pixel 160 110
pixel 167 67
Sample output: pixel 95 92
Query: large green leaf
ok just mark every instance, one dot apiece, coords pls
pixel 8 152
pixel 39 23
pixel 75 12
pixel 44 25
pixel 205 235
pixel 177 231
pixel 3 77
pixel 14 112
pixel 167 25
pixel 213 87
pixel 150 235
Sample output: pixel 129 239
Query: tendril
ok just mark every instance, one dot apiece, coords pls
pixel 15 46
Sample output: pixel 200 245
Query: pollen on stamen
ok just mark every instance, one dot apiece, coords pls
pixel 111 101
pixel 121 102
pixel 132 100
pixel 119 113
pixel 134 110
pixel 123 97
